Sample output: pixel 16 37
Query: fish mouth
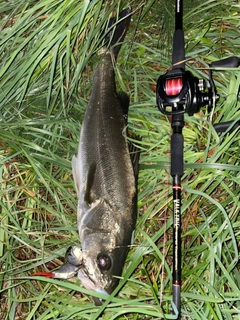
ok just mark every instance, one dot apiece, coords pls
pixel 91 284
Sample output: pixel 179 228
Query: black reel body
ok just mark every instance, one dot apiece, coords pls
pixel 182 92
pixel 180 87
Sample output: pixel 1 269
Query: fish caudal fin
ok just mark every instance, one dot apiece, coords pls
pixel 117 27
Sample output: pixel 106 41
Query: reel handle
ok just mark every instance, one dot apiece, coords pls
pixel 231 62
pixel 223 126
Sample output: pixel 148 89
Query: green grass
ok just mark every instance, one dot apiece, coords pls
pixel 48 54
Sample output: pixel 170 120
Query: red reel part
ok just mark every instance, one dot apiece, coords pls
pixel 173 86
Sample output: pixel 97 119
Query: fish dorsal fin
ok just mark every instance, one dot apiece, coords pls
pixel 89 197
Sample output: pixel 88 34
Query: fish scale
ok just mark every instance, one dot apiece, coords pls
pixel 105 176
pixel 104 172
pixel 106 138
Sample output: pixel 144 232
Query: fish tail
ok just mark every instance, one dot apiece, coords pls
pixel 115 35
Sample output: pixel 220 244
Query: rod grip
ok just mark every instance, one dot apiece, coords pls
pixel 177 154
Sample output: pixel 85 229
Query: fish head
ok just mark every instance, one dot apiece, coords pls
pixel 102 262
pixel 105 239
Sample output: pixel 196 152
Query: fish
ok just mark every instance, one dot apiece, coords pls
pixel 105 173
pixel 104 176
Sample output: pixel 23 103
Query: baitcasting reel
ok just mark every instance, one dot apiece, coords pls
pixel 183 92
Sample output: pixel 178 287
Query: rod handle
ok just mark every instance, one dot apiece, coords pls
pixel 177 154
pixel 231 62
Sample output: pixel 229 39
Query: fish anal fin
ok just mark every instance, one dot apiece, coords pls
pixel 134 152
pixel 124 102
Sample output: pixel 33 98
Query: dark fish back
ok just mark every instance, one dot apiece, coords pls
pixel 104 174
pixel 103 139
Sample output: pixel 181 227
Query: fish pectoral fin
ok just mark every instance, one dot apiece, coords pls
pixel 76 174
pixel 89 197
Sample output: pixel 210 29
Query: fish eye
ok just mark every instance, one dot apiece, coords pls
pixel 104 261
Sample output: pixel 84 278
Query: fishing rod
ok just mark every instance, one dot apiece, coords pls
pixel 179 92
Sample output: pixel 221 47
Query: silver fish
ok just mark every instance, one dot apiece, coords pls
pixel 105 175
